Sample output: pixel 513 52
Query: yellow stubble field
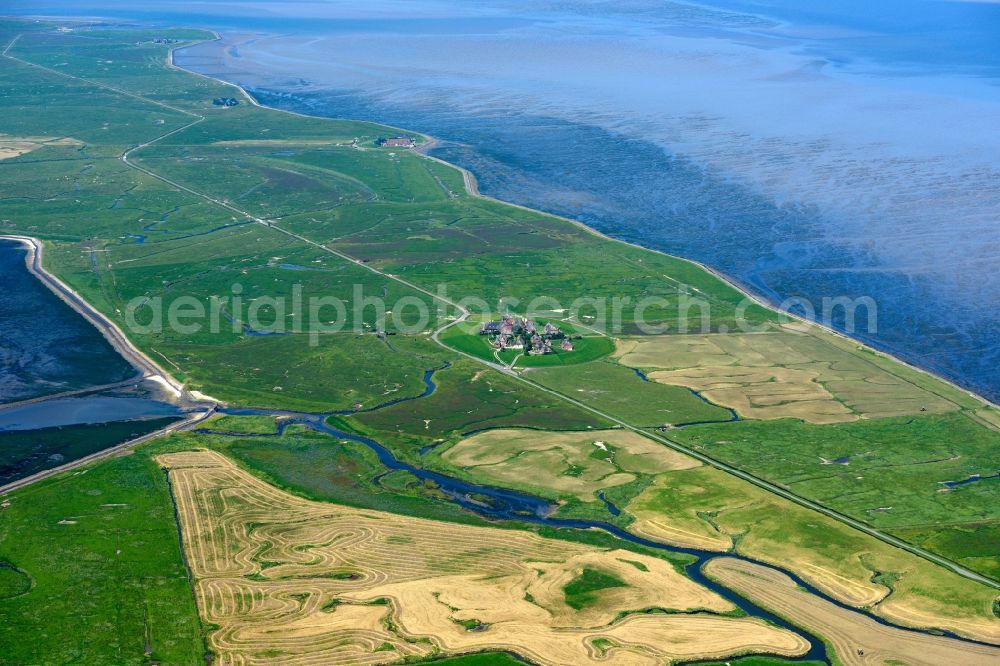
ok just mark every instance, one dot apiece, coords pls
pixel 578 463
pixel 790 371
pixel 857 640
pixel 12 146
pixel 284 580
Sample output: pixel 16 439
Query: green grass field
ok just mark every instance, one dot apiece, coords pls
pixel 13 581
pixel 340 372
pixel 889 473
pixel 973 544
pixel 248 425
pixel 107 582
pixel 759 661
pixel 471 398
pixel 319 467
pixel 619 391
pixel 584 590
pixel 465 337
pixel 585 349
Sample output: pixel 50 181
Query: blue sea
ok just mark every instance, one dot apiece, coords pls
pixel 805 148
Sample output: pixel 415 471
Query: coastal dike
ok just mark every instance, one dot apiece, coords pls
pixel 427 142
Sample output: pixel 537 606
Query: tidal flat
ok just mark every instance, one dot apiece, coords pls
pixel 46 347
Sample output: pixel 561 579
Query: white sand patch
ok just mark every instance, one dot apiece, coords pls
pixel 165 384
pixel 198 395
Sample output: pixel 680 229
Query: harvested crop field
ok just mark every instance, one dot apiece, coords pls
pixel 12 146
pixel 290 581
pixel 857 640
pixel 704 507
pixel 790 371
pixel 579 463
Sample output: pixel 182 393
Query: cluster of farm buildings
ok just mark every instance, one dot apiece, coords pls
pixel 512 332
pixel 396 142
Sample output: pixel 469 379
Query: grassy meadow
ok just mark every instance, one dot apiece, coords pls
pixel 890 473
pixel 620 391
pixel 106 580
pixel 470 398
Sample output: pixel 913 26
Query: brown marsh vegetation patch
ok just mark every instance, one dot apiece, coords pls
pixel 12 146
pixel 284 580
pixel 782 373
pixel 578 463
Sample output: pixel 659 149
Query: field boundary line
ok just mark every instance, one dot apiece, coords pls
pixel 10 45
